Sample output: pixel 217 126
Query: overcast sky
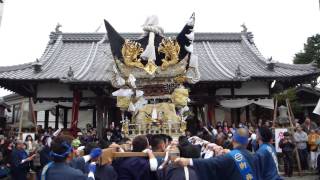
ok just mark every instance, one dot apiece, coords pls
pixel 280 27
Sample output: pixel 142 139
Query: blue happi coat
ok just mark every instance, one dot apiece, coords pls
pixel 266 163
pixel 222 167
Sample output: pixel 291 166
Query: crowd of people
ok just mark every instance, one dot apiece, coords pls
pixel 245 151
pixel 305 137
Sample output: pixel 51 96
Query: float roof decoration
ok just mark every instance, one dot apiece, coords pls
pixel 164 59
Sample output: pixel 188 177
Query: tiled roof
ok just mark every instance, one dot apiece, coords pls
pixel 220 55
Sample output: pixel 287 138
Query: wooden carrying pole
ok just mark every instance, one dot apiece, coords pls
pixel 290 115
pixel 110 153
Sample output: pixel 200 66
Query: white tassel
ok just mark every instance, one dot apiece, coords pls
pixel 123 92
pixel 193 73
pixel 120 80
pixel 131 107
pixel 150 51
pixel 139 93
pixel 190 36
pixel 193 61
pixel 189 48
pixel 154 114
pixel 140 103
pixel 132 81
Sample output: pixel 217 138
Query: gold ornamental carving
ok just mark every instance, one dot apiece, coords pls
pixel 130 52
pixel 171 50
pixel 123 102
pixel 180 97
pixel 180 79
pixel 150 67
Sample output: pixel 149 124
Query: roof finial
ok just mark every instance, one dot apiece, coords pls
pixel 270 63
pixel 37 66
pixel 70 73
pixel 244 28
pixel 57 29
pixel 238 71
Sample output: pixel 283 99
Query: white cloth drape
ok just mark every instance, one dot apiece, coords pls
pixel 238 103
pixel 317 108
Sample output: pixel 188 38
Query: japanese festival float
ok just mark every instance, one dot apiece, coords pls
pixel 151 74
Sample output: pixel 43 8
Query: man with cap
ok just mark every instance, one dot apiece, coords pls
pixel 266 157
pixel 237 164
pixel 59 169
pixel 20 162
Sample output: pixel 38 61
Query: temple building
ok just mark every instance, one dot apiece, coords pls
pixel 236 82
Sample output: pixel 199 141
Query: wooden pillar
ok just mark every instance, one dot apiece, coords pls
pixel 94 117
pixel 248 113
pixel 46 119
pixel 35 116
pixel 100 111
pixel 13 114
pixel 106 116
pixel 56 124
pixel 238 114
pixel 213 110
pixel 65 118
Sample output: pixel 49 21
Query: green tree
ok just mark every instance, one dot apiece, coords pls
pixel 291 95
pixel 311 51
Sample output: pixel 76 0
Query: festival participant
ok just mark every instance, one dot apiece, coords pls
pixel 20 162
pixel 287 147
pixel 173 172
pixel 237 164
pixel 45 152
pixel 266 157
pixel 30 144
pixel 59 169
pixel 158 145
pixel 103 172
pixel 137 168
pixel 308 125
pixel 301 138
pixel 313 137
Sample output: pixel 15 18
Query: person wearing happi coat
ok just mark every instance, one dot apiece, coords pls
pixel 237 164
pixel 103 172
pixel 60 169
pixel 173 172
pixel 266 157
pixel 20 162
pixel 137 168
